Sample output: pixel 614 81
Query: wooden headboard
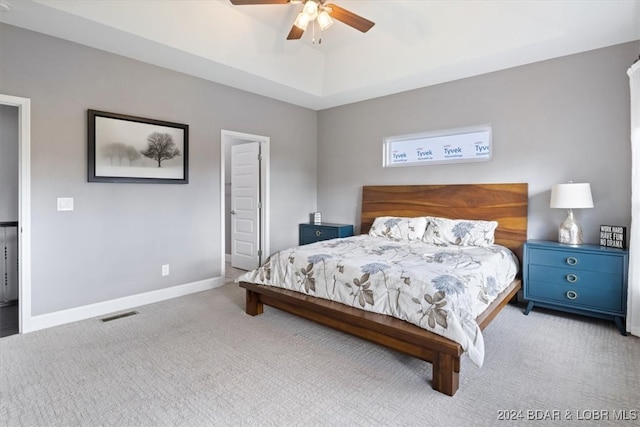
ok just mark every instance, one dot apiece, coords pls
pixel 505 203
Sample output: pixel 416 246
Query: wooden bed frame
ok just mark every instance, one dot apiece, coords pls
pixel 505 203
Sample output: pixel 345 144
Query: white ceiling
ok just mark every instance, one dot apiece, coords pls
pixel 415 43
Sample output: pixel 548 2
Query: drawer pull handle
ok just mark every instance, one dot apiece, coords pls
pixel 572 278
pixel 572 294
pixel 318 233
pixel 572 260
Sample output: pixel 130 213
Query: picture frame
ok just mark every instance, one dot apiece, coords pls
pixel 129 149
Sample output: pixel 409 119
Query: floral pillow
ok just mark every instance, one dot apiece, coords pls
pixel 461 232
pixel 399 228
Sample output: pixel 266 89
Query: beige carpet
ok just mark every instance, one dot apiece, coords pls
pixel 200 361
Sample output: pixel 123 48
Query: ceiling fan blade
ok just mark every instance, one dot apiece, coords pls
pixel 349 18
pixel 249 2
pixel 295 33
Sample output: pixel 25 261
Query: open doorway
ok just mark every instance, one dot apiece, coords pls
pixel 244 199
pixel 15 214
pixel 9 145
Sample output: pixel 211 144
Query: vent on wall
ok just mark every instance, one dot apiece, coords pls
pixel 118 316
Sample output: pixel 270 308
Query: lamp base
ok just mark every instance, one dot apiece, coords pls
pixel 570 232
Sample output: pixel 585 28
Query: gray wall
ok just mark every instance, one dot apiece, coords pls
pixel 114 243
pixel 8 163
pixel 553 121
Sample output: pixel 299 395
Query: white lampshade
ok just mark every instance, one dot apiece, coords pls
pixel 324 20
pixel 310 9
pixel 302 21
pixel 573 195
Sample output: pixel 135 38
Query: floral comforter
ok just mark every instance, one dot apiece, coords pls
pixel 439 288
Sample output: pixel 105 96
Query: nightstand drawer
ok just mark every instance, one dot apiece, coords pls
pixel 318 233
pixel 578 297
pixel 576 260
pixel 582 279
pixel 311 233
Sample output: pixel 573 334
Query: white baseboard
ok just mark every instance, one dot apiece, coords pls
pixel 227 258
pixel 106 307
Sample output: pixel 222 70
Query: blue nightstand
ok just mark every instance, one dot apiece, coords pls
pixel 311 233
pixel 584 279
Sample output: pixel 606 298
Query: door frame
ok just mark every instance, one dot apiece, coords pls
pixel 226 137
pixel 24 208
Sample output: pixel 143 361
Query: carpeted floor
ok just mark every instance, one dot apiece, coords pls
pixel 200 360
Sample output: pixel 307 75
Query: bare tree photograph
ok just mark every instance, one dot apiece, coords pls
pixel 134 149
pixel 161 147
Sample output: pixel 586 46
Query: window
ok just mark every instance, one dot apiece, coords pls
pixel 471 144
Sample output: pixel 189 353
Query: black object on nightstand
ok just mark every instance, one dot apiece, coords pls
pixel 311 233
pixel 584 279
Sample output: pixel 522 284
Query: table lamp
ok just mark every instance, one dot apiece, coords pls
pixel 571 196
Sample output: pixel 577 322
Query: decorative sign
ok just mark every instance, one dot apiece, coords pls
pixel 613 236
pixel 472 144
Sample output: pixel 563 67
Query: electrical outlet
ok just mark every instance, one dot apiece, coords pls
pixel 165 270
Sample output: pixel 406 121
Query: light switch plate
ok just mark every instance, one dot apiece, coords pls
pixel 65 203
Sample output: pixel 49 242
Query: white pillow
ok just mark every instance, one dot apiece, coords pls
pixel 461 232
pixel 399 228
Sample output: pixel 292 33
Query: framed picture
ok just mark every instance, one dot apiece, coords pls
pixel 134 149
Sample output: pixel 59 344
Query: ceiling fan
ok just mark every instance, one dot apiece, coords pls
pixel 318 11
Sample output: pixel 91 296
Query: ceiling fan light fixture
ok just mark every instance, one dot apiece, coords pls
pixel 324 20
pixel 310 9
pixel 302 21
pixel 313 10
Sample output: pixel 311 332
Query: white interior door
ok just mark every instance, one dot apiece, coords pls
pixel 245 205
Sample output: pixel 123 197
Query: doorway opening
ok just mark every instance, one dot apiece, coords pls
pixel 244 199
pixel 16 241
